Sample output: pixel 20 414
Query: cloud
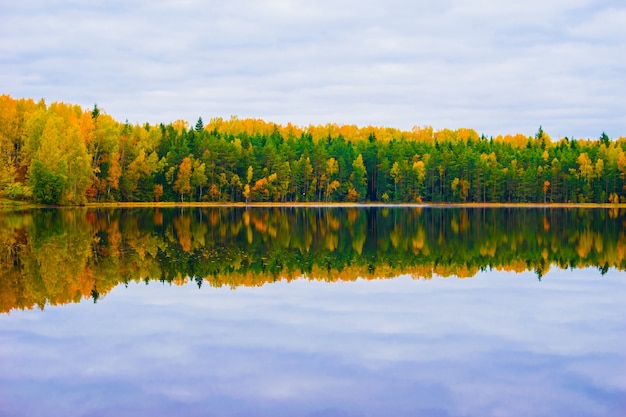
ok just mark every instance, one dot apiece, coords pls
pixel 460 346
pixel 496 67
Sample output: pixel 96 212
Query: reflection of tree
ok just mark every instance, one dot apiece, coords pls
pixel 46 259
pixel 60 256
pixel 58 261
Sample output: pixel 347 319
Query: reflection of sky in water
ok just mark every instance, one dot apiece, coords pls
pixel 496 344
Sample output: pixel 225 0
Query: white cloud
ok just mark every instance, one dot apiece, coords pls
pixel 386 343
pixel 497 67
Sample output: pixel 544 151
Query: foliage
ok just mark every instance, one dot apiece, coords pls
pixel 47 186
pixel 18 191
pixel 88 156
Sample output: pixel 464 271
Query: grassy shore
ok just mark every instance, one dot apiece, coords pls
pixel 355 205
pixel 11 204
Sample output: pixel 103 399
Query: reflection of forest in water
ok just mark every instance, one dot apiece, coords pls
pixel 60 256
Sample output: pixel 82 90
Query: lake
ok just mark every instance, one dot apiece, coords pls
pixel 380 311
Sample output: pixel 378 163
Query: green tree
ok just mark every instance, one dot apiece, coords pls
pixel 47 186
pixel 199 125
pixel 396 175
pixel 360 177
pixel 235 187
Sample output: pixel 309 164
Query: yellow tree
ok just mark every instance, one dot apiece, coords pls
pixel 599 173
pixel 115 172
pixel 332 167
pixel 198 177
pixel 33 131
pixel 420 174
pixel 48 170
pixel 56 148
pixel 585 167
pixel 182 185
pixel 249 174
pixel 158 192
pixel 621 166
pixel 332 187
pixel 137 169
pixel 78 161
pixel 396 175
pixel 246 192
pixel 8 131
pixel 103 147
pixel 546 187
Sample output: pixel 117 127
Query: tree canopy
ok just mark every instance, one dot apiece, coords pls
pixel 62 154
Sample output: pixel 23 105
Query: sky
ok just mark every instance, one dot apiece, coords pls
pixel 498 67
pixel 497 344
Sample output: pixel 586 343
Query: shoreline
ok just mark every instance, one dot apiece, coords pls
pixel 27 206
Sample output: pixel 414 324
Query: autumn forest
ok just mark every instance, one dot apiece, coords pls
pixel 62 154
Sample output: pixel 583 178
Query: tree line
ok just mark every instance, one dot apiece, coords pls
pixel 63 154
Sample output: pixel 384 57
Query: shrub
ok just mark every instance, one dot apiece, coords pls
pixel 18 191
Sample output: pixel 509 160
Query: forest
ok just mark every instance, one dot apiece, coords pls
pixel 50 257
pixel 62 154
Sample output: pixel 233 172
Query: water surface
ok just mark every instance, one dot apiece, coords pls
pixel 193 315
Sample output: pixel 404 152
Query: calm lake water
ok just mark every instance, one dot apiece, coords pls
pixel 313 312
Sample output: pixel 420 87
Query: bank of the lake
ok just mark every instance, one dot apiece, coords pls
pixel 15 204
pixel 24 205
pixel 355 205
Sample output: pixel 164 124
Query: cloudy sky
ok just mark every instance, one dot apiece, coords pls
pixel 495 66
pixel 497 344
